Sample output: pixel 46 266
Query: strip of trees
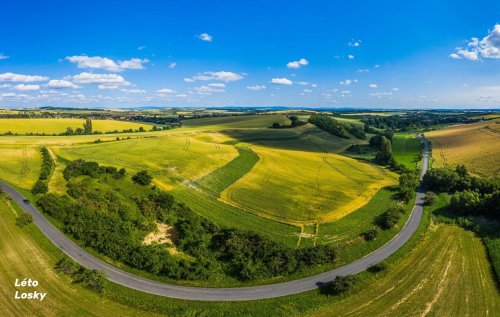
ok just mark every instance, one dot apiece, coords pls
pixel 41 186
pixel 336 128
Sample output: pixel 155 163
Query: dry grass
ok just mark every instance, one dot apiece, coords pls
pixel 475 145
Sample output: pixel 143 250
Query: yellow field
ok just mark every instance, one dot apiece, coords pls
pixel 303 187
pixel 475 145
pixel 50 126
pixel 20 165
pixel 447 274
pixel 21 256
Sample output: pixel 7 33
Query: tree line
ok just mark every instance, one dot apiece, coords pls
pixel 41 186
pixel 336 128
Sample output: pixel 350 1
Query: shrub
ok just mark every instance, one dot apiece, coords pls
pixel 370 234
pixel 24 219
pixel 39 187
pixel 142 178
pixel 341 284
pixel 379 267
pixel 430 198
pixel 390 218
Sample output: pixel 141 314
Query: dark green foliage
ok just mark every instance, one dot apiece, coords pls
pixel 87 126
pixel 24 220
pixel 384 154
pixel 276 125
pixel 430 198
pixel 93 279
pixel 415 120
pixel 370 234
pixel 376 268
pixel 92 169
pixel 67 266
pixel 472 195
pixel 142 178
pixel 408 182
pixel 40 187
pixel 295 122
pixel 341 285
pixel 390 218
pixel 47 164
pixel 328 124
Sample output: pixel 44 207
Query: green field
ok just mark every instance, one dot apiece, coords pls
pixel 447 274
pixel 51 126
pixel 24 254
pixel 20 164
pixel 405 148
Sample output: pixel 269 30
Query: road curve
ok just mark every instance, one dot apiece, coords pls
pixel 126 279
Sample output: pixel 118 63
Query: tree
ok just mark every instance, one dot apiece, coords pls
pixel 39 187
pixel 24 219
pixel 384 154
pixel 87 126
pixel 430 198
pixel 370 234
pixel 276 125
pixel 342 284
pixel 142 178
pixel 390 218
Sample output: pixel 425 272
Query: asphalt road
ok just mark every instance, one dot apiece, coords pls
pixel 126 279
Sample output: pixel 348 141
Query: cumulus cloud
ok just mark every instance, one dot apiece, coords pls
pixel 206 37
pixel 60 84
pixel 108 86
pixel 140 48
pixel 380 94
pixel 102 79
pixel 105 63
pixel 23 87
pixel 172 65
pixel 11 77
pixel 207 90
pixel 373 85
pixel 220 76
pixel 217 85
pixel 3 56
pixel 488 47
pixel 348 82
pixel 256 87
pixel 281 81
pixel 350 56
pixel 297 64
pixel 133 91
pixel 165 91
pixel 395 89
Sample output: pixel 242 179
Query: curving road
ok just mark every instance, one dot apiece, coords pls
pixel 126 279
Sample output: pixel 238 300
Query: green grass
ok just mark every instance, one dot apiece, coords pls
pixel 226 175
pixel 27 253
pixel 493 246
pixel 405 148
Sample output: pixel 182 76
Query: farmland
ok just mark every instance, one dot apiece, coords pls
pixel 447 274
pixel 475 145
pixel 57 126
pixel 405 148
pixel 25 254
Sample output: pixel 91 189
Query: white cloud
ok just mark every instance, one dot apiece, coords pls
pixel 140 48
pixel 380 94
pixel 103 79
pixel 108 86
pixel 3 56
pixel 14 96
pixel 206 37
pixel 256 87
pixel 303 83
pixel 297 64
pixel 23 87
pixel 308 90
pixel 5 86
pixel 221 76
pixel 134 63
pixel 373 85
pixel 133 91
pixel 217 85
pixel 165 91
pixel 395 89
pixel 207 89
pixel 97 62
pixel 11 77
pixel 350 56
pixel 172 65
pixel 59 84
pixel 348 82
pixel 354 43
pixel 488 47
pixel 362 71
pixel 281 81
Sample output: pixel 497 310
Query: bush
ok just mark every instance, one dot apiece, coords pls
pixel 39 187
pixel 67 266
pixel 342 284
pixel 376 268
pixel 390 218
pixel 370 234
pixel 142 178
pixel 24 219
pixel 430 198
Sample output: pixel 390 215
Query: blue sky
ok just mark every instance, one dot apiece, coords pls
pixel 384 54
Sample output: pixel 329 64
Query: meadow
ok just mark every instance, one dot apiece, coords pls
pixel 405 148
pixel 57 126
pixel 476 145
pixel 24 254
